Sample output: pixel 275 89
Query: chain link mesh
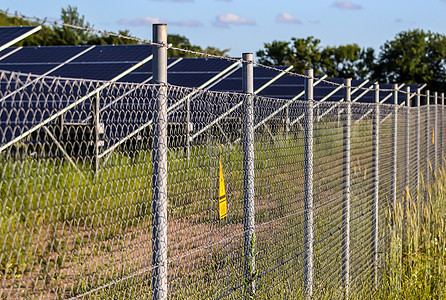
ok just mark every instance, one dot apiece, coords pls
pixel 76 191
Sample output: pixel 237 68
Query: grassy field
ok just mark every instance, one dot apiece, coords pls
pixel 66 232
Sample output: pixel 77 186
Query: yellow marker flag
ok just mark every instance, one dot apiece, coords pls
pixel 433 136
pixel 223 207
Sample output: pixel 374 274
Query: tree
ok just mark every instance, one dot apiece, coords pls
pixel 306 54
pixel 183 42
pixel 70 36
pixel 112 40
pixel 347 61
pixel 343 61
pixel 301 53
pixel 414 56
pixel 276 53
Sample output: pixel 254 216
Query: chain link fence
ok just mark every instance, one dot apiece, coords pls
pixel 119 190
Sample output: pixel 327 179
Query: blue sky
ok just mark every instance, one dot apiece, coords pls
pixel 244 25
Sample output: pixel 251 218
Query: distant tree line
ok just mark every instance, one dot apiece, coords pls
pixel 413 56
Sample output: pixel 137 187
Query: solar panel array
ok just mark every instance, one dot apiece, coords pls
pixel 108 61
pixel 10 33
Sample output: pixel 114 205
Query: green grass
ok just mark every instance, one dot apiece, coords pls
pixel 66 232
pixel 418 246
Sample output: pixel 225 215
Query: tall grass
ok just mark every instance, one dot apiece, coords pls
pixel 416 268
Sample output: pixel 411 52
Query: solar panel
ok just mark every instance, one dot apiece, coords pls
pixel 96 71
pixel 187 72
pixel 285 87
pixel 8 51
pixel 192 79
pixel 204 65
pixel 107 61
pixel 43 55
pixel 194 72
pixel 233 83
pixel 116 53
pixel 12 34
pixel 99 62
pixel 144 72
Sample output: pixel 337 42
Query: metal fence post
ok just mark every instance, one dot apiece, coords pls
pixel 375 155
pixel 346 187
pixel 442 129
pixel 417 140
pixel 159 173
pixel 407 162
pixel 435 135
pixel 187 126
pixel 308 187
pixel 248 173
pixel 394 143
pixel 96 124
pixel 427 156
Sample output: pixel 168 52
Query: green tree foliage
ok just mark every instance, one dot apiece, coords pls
pixel 112 40
pixel 183 42
pixel 343 61
pixel 347 61
pixel 301 53
pixel 276 53
pixel 306 54
pixel 414 56
pixel 70 36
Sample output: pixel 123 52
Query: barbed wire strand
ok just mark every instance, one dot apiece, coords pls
pixel 197 53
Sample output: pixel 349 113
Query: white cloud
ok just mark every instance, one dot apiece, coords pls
pixel 231 19
pixel 342 4
pixel 287 18
pixel 148 21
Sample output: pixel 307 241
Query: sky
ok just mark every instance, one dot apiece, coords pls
pixel 245 25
